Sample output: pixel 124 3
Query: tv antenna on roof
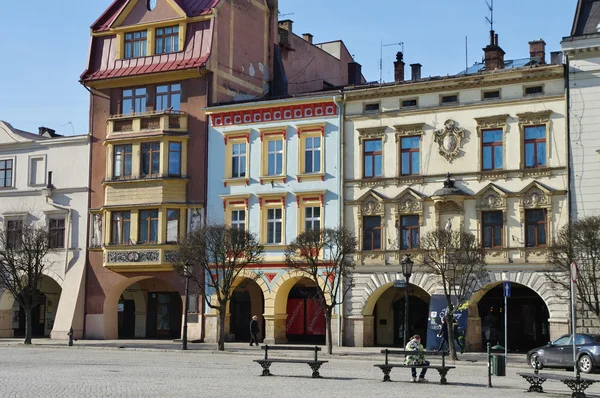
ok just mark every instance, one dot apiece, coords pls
pixel 381 57
pixel 490 19
pixel 284 15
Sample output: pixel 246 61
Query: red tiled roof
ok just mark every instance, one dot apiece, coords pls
pixel 192 8
pixel 103 65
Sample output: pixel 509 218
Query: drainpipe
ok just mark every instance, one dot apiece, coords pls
pixel 341 100
pixel 568 121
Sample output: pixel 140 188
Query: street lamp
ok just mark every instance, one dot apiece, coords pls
pixel 184 339
pixel 407 268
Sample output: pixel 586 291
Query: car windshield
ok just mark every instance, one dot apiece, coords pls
pixel 564 340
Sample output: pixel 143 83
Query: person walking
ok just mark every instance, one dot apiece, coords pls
pixel 416 359
pixel 443 334
pixel 457 333
pixel 254 331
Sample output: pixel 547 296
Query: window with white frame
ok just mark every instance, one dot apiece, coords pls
pixel 56 230
pixel 238 219
pixel 238 160
pixel 275 157
pixel 312 218
pixel 312 154
pixel 274 226
pixel 6 173
pixel 14 234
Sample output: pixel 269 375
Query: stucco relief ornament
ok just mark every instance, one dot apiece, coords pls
pixel 371 207
pixel 535 198
pixel 408 204
pixel 449 140
pixel 490 201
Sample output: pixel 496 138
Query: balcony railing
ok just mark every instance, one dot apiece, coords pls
pixel 166 120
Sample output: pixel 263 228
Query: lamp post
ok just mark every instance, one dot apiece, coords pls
pixel 407 268
pixel 184 339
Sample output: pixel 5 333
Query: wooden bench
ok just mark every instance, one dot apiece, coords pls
pixel 386 368
pixel 577 384
pixel 315 364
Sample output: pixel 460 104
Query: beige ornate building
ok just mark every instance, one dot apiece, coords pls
pixel 483 151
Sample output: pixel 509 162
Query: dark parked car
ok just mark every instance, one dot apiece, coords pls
pixel 559 353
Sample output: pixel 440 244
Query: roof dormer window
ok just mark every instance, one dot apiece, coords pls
pixel 136 44
pixel 167 40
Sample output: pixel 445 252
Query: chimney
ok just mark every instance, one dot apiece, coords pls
pixel 537 50
pixel 354 73
pixel 286 24
pixel 494 55
pixel 556 58
pixel 415 70
pixel 308 37
pixel 399 68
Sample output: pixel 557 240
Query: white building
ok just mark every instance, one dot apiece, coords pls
pixel 582 50
pixel 499 129
pixel 44 178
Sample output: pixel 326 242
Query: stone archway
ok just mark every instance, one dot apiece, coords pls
pixel 535 281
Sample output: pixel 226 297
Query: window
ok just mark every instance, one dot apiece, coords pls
pixel 148 226
pixel 535 146
pixel 449 99
pixel 172 226
pixel 168 97
pixel 56 232
pixel 275 157
pixel 6 173
pixel 490 95
pixel 122 161
pixel 238 160
pixel 120 227
pixel 238 219
pixel 410 155
pixel 36 171
pixel 492 149
pixel 150 158
pixel 372 107
pixel 167 40
pixel 312 218
pixel 372 159
pixel 312 154
pixel 371 233
pixel 409 226
pixel 492 227
pixel 134 101
pixel 535 222
pixel 274 226
pixel 135 44
pixel 175 159
pixel 14 233
pixel 409 103
pixel 534 90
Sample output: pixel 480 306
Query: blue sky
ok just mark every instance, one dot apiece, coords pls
pixel 45 44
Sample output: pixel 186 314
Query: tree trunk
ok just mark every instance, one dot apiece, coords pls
pixel 451 346
pixel 328 326
pixel 222 330
pixel 28 325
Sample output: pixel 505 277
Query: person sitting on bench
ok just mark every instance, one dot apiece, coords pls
pixel 416 359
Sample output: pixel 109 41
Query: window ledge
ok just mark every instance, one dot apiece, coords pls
pixel 311 177
pixel 274 246
pixel 145 179
pixel 267 179
pixel 236 181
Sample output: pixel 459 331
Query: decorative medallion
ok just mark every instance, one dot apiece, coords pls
pixel 449 140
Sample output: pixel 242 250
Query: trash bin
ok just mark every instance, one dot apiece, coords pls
pixel 498 361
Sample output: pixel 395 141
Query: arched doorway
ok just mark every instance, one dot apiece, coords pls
pixel 247 300
pixel 43 312
pixel 528 315
pixel 389 320
pixel 143 307
pixel 305 316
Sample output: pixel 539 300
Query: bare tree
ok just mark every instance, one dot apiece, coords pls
pixel 23 261
pixel 326 258
pixel 578 242
pixel 458 260
pixel 213 257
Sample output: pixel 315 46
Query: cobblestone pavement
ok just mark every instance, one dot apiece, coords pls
pixel 43 371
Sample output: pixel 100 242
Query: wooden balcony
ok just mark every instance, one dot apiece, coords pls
pixel 140 258
pixel 140 124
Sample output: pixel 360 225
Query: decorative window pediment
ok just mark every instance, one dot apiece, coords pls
pixel 534 117
pixel 410 202
pixel 371 133
pixel 536 196
pixel 371 204
pixel 409 129
pixel 491 197
pixel 491 122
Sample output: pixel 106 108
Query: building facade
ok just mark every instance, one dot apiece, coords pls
pixel 276 172
pixel 37 186
pixel 483 151
pixel 153 67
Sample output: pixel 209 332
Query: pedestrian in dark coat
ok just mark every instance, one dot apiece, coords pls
pixel 254 331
